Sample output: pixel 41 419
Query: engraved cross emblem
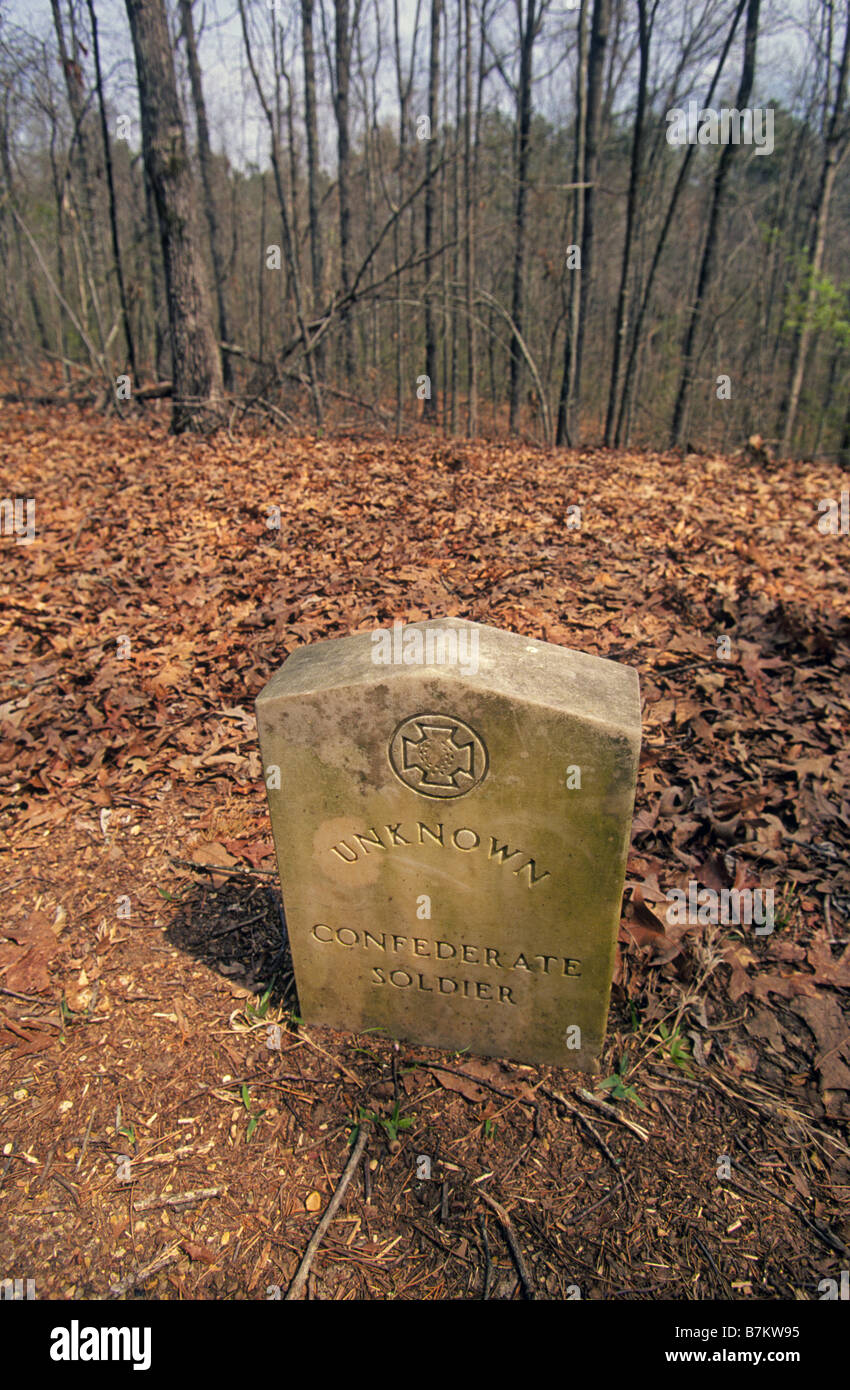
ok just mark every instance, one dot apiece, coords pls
pixel 437 755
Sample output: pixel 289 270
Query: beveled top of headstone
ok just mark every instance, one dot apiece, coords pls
pixel 451 807
pixel 523 668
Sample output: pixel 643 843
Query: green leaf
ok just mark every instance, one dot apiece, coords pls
pixel 171 897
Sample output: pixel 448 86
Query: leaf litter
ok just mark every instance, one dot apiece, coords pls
pixel 142 964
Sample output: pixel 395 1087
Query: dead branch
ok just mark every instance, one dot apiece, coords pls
pixel 296 1288
pixel 613 1114
pixel 510 1237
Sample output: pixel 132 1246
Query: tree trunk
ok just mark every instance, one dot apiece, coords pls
pixel 595 70
pixel 311 124
pixel 196 362
pixel 469 221
pixel 528 32
pixel 844 446
pixel 834 138
pixel 710 249
pixel 456 202
pixel 343 76
pixel 73 76
pixel 206 164
pixel 566 400
pixel 403 86
pixel 430 404
pixel 288 248
pixel 113 213
pixel 161 339
pixel 624 416
pixel 645 36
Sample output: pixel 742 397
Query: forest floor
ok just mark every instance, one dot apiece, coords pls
pixel 152 1144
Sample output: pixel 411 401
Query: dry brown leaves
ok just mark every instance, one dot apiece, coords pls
pixel 158 597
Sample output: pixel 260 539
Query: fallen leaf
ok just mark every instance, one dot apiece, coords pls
pixel 214 855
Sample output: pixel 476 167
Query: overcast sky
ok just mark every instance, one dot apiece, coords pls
pixel 238 126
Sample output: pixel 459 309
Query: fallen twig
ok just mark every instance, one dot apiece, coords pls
pixel 510 1237
pixel 221 869
pixel 585 1123
pixel 708 1255
pixel 296 1288
pixel 822 1232
pixel 178 1199
pixel 613 1113
pixel 488 1265
pixel 579 1216
pixel 480 1081
pixel 143 1275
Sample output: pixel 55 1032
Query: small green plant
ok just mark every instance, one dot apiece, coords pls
pixel 617 1087
pixel 390 1126
pixel 395 1123
pixel 253 1120
pixel 362 1117
pixel 785 908
pixel 678 1049
pixel 261 1008
pixel 128 1131
pixel 69 1018
pixel 173 897
pixel 489 1129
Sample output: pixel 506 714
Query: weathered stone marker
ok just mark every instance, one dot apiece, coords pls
pixel 452 834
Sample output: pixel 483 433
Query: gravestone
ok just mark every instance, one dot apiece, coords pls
pixel 451 807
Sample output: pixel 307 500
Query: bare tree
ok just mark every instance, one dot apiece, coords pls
pixel 312 130
pixel 646 296
pixel 529 28
pixel 710 246
pixel 196 365
pixel 205 161
pixel 288 245
pixel 835 145
pixel 86 226
pixel 342 79
pixel 404 87
pixel 595 73
pixel 469 220
pixel 566 400
pixel 646 20
pixel 113 211
pixel 430 403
